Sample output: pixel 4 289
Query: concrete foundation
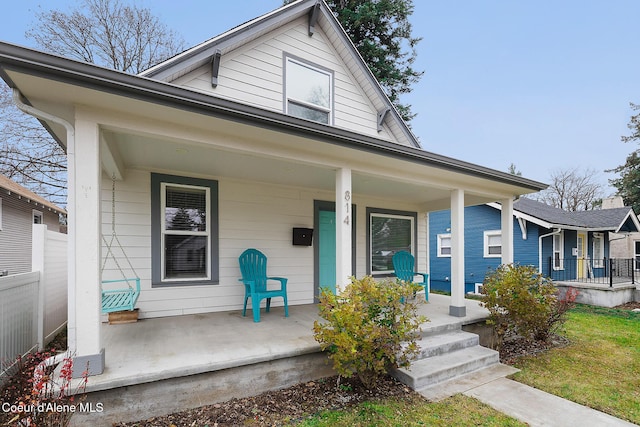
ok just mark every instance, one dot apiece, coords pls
pixel 143 401
pixel 602 296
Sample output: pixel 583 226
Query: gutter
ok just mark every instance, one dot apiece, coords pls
pixel 71 208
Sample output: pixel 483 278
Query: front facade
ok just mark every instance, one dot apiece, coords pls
pixel 565 246
pixel 273 126
pixel 20 208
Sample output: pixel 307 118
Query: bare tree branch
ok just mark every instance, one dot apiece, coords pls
pixel 573 190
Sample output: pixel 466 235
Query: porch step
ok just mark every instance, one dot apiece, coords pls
pixel 451 361
pixel 437 369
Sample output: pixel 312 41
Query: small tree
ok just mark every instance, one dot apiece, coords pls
pixel 370 327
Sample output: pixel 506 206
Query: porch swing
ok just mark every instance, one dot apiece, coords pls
pixel 124 298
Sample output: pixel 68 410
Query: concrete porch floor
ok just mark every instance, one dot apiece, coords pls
pixel 171 347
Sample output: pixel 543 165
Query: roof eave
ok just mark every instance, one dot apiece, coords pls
pixel 44 65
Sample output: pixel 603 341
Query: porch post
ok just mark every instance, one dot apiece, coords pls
pixel 343 228
pixel 85 341
pixel 457 307
pixel 507 230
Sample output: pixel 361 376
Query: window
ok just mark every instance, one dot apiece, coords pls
pixel 636 254
pixel 558 245
pixel 184 223
pixel 444 245
pixel 37 217
pixel 308 91
pixel 493 244
pixel 598 251
pixel 389 232
pixel 0 214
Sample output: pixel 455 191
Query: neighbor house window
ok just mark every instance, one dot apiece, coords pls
pixel 558 245
pixel 444 245
pixel 636 253
pixel 598 251
pixel 389 233
pixel 493 244
pixel 184 225
pixel 308 91
pixel 37 217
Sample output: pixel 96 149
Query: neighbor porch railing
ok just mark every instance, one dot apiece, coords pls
pixel 603 271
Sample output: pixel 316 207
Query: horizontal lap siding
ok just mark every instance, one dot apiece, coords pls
pixel 251 215
pixel 15 236
pixel 253 74
pixel 478 219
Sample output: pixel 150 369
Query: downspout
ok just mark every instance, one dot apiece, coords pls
pixel 558 231
pixel 71 226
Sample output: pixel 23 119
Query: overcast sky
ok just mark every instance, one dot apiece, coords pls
pixel 543 84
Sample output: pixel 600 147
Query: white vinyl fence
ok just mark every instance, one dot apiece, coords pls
pixel 33 306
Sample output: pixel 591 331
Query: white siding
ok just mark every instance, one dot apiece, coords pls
pixel 251 214
pixel 253 74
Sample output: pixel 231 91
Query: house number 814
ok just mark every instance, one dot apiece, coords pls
pixel 347 198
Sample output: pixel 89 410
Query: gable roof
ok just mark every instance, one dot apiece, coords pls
pixel 616 220
pixel 13 187
pixel 319 15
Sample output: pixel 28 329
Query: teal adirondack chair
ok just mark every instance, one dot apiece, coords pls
pixel 404 266
pixel 253 265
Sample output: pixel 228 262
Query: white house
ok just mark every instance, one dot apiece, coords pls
pixel 274 125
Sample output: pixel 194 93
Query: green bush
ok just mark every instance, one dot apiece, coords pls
pixel 370 327
pixel 523 302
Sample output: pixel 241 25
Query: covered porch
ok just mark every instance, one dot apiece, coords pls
pixel 161 365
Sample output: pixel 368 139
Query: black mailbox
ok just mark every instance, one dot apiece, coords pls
pixel 302 236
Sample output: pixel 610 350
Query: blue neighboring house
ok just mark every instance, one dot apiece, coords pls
pixel 566 246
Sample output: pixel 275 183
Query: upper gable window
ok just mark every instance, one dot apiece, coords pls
pixel 308 91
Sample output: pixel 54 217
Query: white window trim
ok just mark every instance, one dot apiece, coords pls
pixel 492 233
pixel 0 214
pixel 598 262
pixel 440 238
pixel 559 250
pixel 164 231
pixel 287 98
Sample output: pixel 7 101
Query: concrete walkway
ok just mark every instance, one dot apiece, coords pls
pixel 538 408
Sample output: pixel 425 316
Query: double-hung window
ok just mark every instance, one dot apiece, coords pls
pixel 558 246
pixel 493 244
pixel 308 91
pixel 598 251
pixel 184 230
pixel 444 245
pixel 389 232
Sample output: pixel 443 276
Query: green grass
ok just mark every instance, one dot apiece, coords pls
pixel 458 410
pixel 601 366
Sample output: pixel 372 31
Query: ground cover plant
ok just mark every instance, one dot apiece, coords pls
pixel 599 368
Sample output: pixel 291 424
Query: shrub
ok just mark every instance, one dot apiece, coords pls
pixel 521 301
pixel 370 327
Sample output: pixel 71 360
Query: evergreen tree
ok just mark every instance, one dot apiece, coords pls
pixel 628 184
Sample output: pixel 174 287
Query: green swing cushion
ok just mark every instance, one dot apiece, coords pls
pixel 120 299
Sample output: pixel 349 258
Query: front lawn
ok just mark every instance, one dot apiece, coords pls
pixel 600 368
pixel 458 410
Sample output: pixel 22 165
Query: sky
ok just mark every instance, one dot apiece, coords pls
pixel 542 84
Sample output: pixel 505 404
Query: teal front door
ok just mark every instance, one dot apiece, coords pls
pixel 327 250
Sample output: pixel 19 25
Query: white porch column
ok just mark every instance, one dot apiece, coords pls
pixel 507 230
pixel 85 338
pixel 344 221
pixel 457 307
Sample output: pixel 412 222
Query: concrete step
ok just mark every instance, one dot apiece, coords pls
pixel 443 343
pixel 467 382
pixel 436 369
